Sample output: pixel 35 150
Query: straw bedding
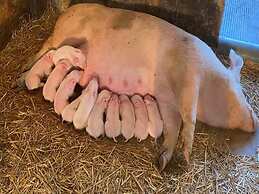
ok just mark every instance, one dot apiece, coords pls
pixel 40 154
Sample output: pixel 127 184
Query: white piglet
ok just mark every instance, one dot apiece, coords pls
pixel 95 126
pixel 42 68
pixel 141 125
pixel 155 123
pixel 55 78
pixel 87 102
pixel 127 117
pixel 113 123
pixel 66 90
pixel 74 55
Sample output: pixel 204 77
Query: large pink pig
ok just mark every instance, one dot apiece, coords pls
pixel 136 53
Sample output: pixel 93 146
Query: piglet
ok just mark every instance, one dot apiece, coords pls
pixel 113 123
pixel 95 125
pixel 141 115
pixel 55 79
pixel 74 55
pixel 155 123
pixel 70 110
pixel 88 98
pixel 66 90
pixel 41 69
pixel 127 117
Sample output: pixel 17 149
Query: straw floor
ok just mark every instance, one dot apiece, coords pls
pixel 39 154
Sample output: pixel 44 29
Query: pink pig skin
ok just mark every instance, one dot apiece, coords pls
pixel 155 123
pixel 127 117
pixel 113 123
pixel 73 55
pixel 147 55
pixel 141 114
pixel 41 68
pixel 88 98
pixel 70 110
pixel 55 79
pixel 95 125
pixel 65 90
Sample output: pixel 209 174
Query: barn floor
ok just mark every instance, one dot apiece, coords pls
pixel 39 154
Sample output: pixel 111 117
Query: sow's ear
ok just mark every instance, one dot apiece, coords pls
pixel 236 63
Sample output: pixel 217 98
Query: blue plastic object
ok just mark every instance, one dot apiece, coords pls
pixel 240 27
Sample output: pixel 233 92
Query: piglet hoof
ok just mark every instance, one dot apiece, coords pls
pixel 115 140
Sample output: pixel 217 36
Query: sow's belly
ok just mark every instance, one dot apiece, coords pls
pixel 121 69
pixel 121 79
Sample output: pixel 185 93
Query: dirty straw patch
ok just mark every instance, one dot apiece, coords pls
pixel 40 154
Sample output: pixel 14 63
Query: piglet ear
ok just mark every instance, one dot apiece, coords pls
pixel 236 63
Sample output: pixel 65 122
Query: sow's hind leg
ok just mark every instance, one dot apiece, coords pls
pixel 188 102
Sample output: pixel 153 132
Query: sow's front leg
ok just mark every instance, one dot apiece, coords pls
pixel 172 124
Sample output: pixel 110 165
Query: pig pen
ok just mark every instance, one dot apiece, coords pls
pixel 39 153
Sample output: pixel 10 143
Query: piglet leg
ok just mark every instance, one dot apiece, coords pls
pixel 66 90
pixel 55 79
pixel 155 124
pixel 95 126
pixel 88 98
pixel 40 69
pixel 113 123
pixel 127 117
pixel 141 115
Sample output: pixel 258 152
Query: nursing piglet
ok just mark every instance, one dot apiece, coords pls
pixel 41 69
pixel 95 124
pixel 113 124
pixel 127 115
pixel 63 58
pixel 87 101
pixel 141 115
pixel 66 90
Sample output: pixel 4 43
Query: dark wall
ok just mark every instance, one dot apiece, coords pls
pixel 10 12
pixel 199 17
